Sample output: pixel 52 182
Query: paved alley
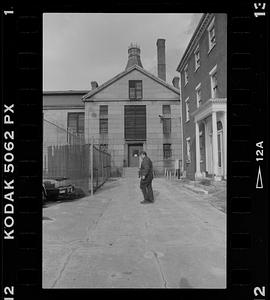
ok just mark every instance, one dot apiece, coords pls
pixel 111 240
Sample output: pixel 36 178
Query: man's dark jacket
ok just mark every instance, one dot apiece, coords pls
pixel 146 168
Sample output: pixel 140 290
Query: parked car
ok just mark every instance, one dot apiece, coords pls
pixel 56 187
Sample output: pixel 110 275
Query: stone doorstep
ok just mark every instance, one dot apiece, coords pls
pixel 195 189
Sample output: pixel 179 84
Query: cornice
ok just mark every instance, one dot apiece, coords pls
pixel 204 22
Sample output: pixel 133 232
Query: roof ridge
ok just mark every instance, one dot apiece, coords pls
pixel 118 76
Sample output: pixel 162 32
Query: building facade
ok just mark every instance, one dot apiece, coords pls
pixel 136 110
pixel 203 95
pixel 63 120
pixel 63 117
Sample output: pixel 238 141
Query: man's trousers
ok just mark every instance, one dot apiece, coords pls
pixel 146 187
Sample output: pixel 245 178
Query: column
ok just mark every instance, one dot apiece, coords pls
pixel 198 154
pixel 207 142
pixel 225 144
pixel 215 145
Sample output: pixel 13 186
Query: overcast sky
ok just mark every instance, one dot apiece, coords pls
pixel 80 48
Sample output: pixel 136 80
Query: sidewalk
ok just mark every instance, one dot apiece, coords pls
pixel 216 192
pixel 111 240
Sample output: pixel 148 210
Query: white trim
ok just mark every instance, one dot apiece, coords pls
pixel 182 130
pixel 198 86
pixel 187 111
pixel 211 73
pixel 199 31
pixel 188 153
pixel 208 107
pixel 213 70
pixel 209 28
pixel 197 50
pixel 186 75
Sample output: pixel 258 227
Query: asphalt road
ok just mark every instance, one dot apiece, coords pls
pixel 111 240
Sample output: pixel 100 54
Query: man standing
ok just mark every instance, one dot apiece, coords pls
pixel 146 175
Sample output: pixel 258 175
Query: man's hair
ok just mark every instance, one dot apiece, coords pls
pixel 142 153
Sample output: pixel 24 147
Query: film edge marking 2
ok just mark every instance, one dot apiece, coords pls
pixel 8 185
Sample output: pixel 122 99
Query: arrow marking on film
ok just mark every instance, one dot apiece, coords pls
pixel 259 183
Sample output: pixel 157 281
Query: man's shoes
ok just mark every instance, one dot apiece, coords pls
pixel 145 202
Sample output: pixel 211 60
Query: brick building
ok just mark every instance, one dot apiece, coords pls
pixel 136 110
pixel 203 88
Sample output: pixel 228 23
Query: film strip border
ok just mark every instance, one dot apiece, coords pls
pixel 247 122
pixel 248 141
pixel 22 148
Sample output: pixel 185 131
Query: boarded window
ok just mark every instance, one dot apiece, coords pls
pixel 167 151
pixel 76 123
pixel 135 122
pixel 135 89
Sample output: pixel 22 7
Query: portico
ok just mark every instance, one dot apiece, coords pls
pixel 211 119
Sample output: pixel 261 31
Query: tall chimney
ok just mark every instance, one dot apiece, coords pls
pixel 161 59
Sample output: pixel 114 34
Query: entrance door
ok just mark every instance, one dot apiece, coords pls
pixel 133 154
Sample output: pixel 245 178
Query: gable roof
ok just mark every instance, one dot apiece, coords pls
pixel 122 74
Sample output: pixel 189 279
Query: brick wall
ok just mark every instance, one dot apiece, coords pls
pixel 217 56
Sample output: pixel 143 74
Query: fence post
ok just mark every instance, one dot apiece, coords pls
pixel 92 166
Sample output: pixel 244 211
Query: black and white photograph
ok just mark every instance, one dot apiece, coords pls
pixel 134 150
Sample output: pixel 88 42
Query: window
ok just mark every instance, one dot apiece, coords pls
pixel 166 111
pixel 103 111
pixel 197 58
pixel 166 126
pixel 188 149
pixel 103 126
pixel 214 82
pixel 167 151
pixel 186 74
pixel 76 123
pixel 198 95
pixel 135 89
pixel 135 122
pixel 103 119
pixel 187 109
pixel 211 34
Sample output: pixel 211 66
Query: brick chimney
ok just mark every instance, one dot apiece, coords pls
pixel 175 82
pixel 94 85
pixel 161 59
